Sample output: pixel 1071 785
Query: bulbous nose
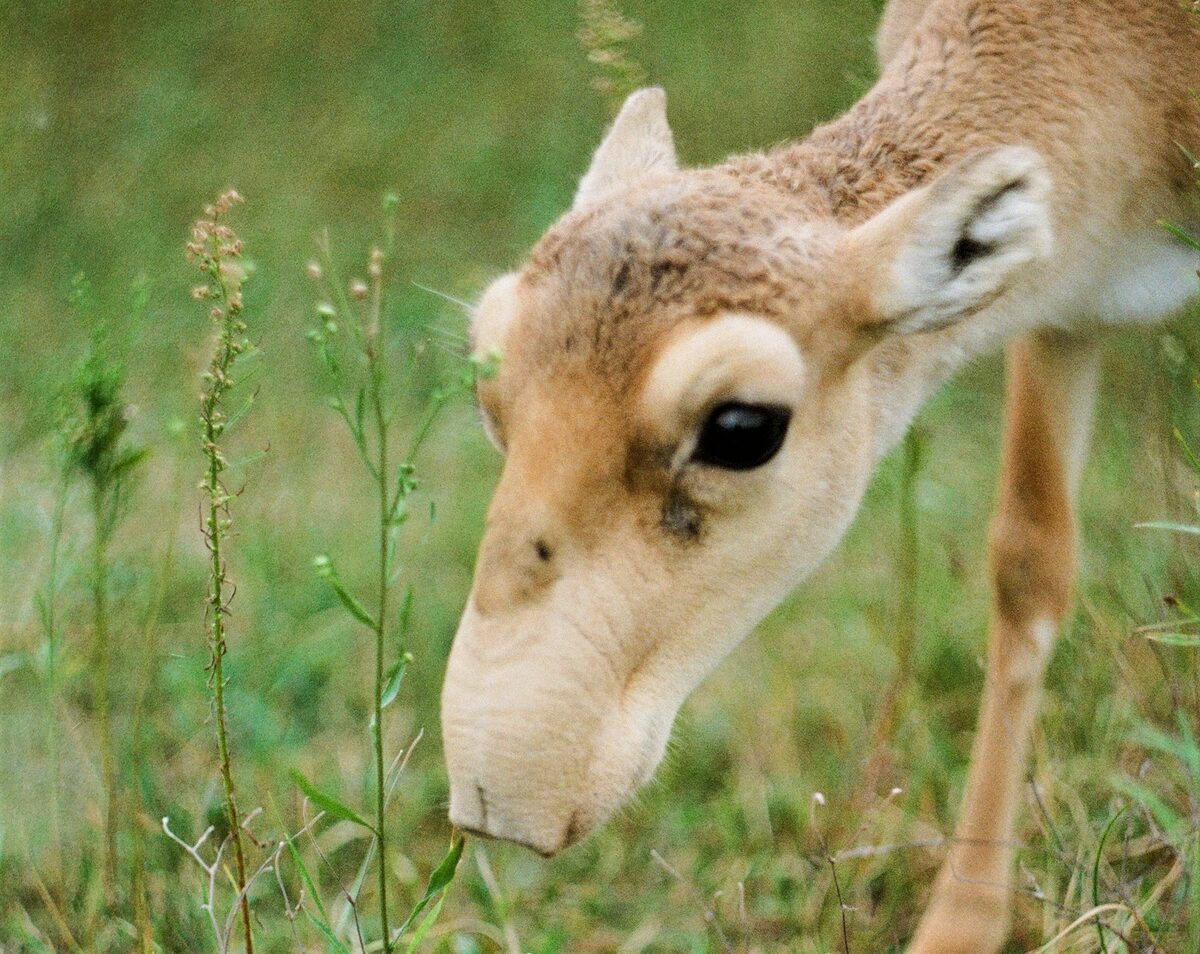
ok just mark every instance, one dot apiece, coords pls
pixel 523 704
pixel 471 811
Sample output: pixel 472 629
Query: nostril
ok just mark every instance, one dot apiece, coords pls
pixel 542 549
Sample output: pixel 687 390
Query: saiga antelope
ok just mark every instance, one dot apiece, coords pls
pixel 701 367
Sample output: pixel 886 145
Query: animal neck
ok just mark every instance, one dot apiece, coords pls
pixel 907 127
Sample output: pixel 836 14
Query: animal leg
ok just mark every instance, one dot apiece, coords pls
pixel 1051 383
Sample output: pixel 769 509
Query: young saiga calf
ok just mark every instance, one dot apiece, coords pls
pixel 701 367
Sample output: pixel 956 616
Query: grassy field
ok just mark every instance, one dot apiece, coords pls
pixel 118 122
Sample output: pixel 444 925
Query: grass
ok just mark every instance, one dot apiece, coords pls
pixel 480 125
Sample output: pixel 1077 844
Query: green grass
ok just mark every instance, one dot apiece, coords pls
pixel 118 121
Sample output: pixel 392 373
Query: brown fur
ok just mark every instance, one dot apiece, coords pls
pixel 1002 181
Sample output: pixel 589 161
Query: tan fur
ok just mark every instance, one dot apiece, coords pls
pixel 1001 181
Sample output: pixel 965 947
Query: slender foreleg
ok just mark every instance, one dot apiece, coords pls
pixel 1050 391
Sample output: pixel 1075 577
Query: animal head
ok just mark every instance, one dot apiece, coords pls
pixel 695 371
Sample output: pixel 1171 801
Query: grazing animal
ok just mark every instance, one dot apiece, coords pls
pixel 702 367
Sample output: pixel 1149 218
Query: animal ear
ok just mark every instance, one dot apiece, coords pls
pixel 943 251
pixel 638 143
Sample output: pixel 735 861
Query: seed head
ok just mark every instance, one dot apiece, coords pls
pixel 227 200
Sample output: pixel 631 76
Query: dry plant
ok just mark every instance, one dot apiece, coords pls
pixel 605 34
pixel 216 250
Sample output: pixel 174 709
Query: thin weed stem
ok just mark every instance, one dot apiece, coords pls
pixel 102 680
pixel 216 248
pixel 48 614
pixel 362 401
pixel 385 524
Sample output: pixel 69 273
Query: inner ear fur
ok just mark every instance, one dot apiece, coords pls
pixel 945 250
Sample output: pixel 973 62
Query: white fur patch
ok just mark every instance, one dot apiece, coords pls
pixel 1152 277
pixel 1044 631
pixel 1030 659
pixel 735 357
pixel 493 316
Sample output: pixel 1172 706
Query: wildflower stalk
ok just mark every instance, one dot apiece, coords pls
pixel 376 387
pixel 365 306
pixel 375 374
pixel 215 248
pixel 369 421
pixel 373 345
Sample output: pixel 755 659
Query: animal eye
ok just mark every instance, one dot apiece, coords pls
pixel 742 436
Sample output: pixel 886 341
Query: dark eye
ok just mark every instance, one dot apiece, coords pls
pixel 742 436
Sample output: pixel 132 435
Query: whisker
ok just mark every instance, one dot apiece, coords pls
pixel 467 306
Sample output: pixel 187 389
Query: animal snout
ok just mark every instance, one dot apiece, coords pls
pixel 473 811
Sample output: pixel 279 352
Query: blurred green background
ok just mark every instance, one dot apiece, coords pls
pixel 119 121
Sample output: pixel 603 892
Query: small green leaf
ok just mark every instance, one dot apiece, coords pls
pixel 406 605
pixel 327 933
pixel 327 803
pixel 326 570
pixel 442 875
pixel 1189 640
pixel 423 928
pixel 1187 449
pixel 1186 237
pixel 1096 873
pixel 247 459
pixel 1167 525
pixel 395 676
pixel 132 457
pixel 42 605
pixel 241 412
pixel 1177 623
pixel 1166 816
pixel 305 875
